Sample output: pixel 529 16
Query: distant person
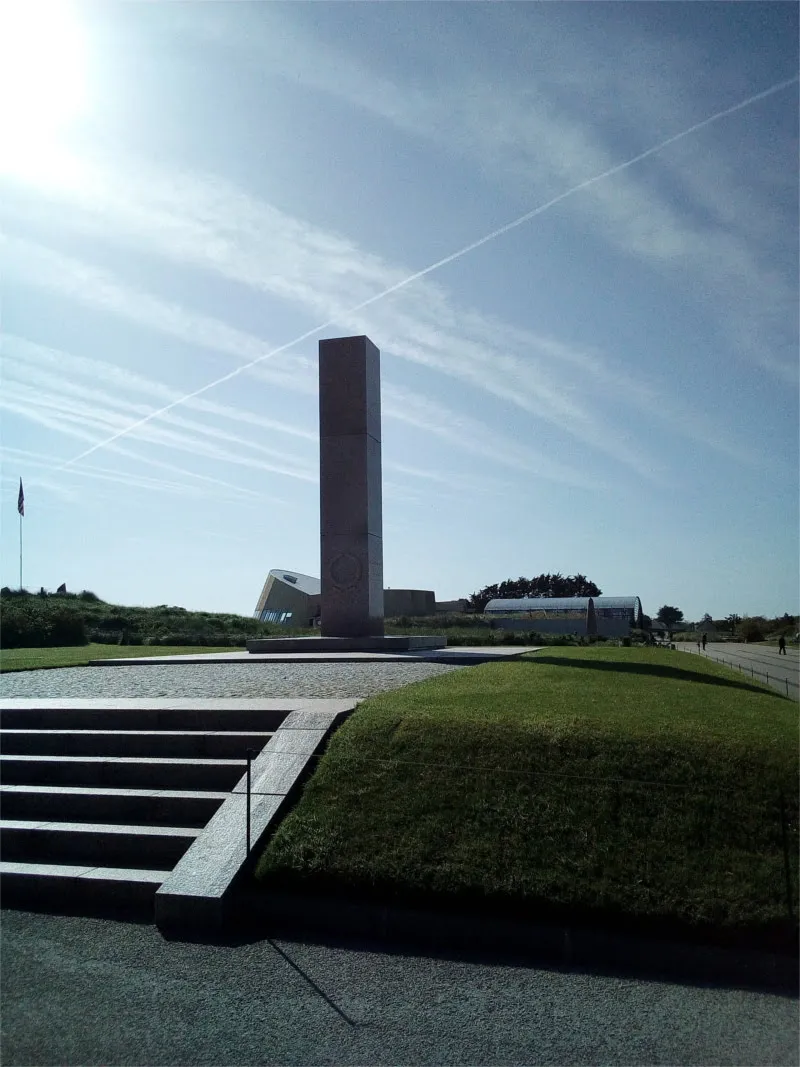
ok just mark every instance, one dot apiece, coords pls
pixel 704 639
pixel 781 645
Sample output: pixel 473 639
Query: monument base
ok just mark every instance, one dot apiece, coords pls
pixel 399 643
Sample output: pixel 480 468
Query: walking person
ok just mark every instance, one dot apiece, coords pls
pixel 704 639
pixel 781 645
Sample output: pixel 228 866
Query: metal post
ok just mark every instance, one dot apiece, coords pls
pixel 249 758
pixel 786 863
pixel 787 687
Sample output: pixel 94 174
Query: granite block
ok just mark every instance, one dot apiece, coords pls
pixel 349 387
pixel 352 586
pixel 350 485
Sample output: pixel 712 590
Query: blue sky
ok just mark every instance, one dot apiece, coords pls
pixel 610 387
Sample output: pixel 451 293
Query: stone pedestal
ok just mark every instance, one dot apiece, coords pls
pixel 351 537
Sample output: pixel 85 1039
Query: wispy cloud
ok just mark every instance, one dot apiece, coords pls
pixel 207 223
pixel 48 376
pixel 217 227
pixel 38 266
pixel 546 139
pixel 68 488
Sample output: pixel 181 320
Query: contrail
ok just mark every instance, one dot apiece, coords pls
pixel 520 221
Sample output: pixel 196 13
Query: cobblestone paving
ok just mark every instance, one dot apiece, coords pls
pixel 220 680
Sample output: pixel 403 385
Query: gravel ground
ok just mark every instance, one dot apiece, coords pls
pixel 92 991
pixel 220 680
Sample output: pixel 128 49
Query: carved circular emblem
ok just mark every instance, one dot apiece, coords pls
pixel 345 570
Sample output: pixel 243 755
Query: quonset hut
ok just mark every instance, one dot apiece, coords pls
pixel 607 616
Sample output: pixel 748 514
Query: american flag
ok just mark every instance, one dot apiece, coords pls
pixel 21 500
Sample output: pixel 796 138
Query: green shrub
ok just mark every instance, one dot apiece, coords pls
pixel 752 629
pixel 31 625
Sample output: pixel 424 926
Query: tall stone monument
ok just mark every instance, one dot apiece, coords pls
pixel 351 516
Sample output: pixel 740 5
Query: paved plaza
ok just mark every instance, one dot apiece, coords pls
pixel 295 680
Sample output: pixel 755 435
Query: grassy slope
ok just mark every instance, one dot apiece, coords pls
pixel 487 785
pixel 137 621
pixel 31 659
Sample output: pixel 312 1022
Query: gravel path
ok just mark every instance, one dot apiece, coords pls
pixel 91 991
pixel 220 680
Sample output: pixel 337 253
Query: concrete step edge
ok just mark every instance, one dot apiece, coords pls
pixel 107 791
pixel 14 869
pixel 158 761
pixel 25 825
pixel 16 731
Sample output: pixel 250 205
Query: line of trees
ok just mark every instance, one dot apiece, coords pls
pixel 550 585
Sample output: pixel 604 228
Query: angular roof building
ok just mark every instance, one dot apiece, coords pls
pixel 294 599
pixel 289 597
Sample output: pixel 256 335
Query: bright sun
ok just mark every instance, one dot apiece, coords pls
pixel 43 84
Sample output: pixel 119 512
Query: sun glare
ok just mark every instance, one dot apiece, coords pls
pixel 43 84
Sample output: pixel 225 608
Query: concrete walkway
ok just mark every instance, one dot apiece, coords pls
pixel 760 662
pixel 90 991
pixel 462 655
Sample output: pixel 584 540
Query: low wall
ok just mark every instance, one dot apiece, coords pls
pixel 412 602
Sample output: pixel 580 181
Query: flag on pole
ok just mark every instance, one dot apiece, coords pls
pixel 21 500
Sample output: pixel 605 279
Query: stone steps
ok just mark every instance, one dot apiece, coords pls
pixel 101 804
pixel 132 772
pixel 74 888
pixel 177 744
pixel 78 843
pixel 100 800
pixel 175 715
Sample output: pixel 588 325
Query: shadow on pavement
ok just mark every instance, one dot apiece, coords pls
pixel 700 967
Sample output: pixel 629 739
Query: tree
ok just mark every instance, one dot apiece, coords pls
pixel 669 616
pixel 733 621
pixel 752 629
pixel 544 585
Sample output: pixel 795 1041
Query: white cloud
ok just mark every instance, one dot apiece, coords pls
pixel 217 227
pixel 543 139
pixel 287 371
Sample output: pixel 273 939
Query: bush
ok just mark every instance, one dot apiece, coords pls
pixel 752 630
pixel 30 625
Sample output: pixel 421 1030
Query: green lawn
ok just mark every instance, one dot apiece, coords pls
pixel 31 659
pixel 635 786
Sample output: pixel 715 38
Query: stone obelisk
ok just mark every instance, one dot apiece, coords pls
pixel 351 517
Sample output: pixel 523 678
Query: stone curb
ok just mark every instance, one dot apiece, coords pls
pixel 561 946
pixel 196 894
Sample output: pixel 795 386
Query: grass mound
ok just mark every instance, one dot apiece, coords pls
pixel 638 787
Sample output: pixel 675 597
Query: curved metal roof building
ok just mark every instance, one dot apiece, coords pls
pixel 548 604
pixel 613 615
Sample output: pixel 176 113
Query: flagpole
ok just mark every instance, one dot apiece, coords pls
pixel 21 510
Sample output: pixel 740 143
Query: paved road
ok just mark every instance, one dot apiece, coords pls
pixel 92 991
pixel 762 662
